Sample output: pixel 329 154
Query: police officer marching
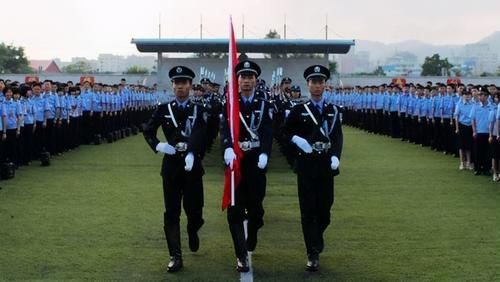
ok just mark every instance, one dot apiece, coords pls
pixel 256 142
pixel 315 128
pixel 184 126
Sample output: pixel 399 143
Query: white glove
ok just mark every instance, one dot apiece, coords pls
pixel 165 148
pixel 189 162
pixel 287 112
pixel 262 161
pixel 335 163
pixel 302 144
pixel 229 157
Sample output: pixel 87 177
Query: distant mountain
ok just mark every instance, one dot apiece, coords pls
pixel 379 51
pixel 493 40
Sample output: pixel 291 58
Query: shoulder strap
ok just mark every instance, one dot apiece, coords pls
pixel 172 115
pixel 252 134
pixel 314 120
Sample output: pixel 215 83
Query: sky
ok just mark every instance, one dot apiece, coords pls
pixel 71 28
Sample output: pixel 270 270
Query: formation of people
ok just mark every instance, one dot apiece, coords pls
pixel 456 119
pixel 50 118
pixel 309 131
pixel 44 119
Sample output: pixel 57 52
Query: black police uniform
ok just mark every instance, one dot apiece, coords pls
pixel 184 129
pixel 250 192
pixel 314 173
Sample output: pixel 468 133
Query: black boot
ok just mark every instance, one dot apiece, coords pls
pixel 173 236
pixel 194 240
pixel 238 236
pixel 242 264
pixel 252 238
pixel 312 262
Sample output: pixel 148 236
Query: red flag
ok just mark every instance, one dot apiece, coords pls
pixel 232 175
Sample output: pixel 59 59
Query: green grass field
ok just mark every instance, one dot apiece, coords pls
pixel 401 212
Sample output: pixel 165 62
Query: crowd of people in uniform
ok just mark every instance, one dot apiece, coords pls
pixel 44 119
pixel 51 118
pixel 456 119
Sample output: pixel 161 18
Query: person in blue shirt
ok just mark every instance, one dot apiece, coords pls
pixel 11 115
pixel 493 138
pixel 463 128
pixel 480 114
pixel 62 121
pixel 394 108
pixel 403 107
pixel 447 107
pixel 75 113
pixel 29 125
pixel 378 105
pixel 39 115
pixel 51 116
pixel 87 98
pixel 437 124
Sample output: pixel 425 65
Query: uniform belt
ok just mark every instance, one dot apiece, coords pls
pixel 321 146
pixel 181 147
pixel 249 145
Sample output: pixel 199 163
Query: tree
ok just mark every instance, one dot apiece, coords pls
pixel 332 65
pixel 217 55
pixel 498 71
pixel 78 67
pixel 13 59
pixel 434 65
pixel 273 34
pixel 379 71
pixel 136 70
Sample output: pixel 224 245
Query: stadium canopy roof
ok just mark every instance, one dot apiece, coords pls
pixel 268 46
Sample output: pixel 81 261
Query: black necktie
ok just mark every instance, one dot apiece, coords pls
pixel 318 107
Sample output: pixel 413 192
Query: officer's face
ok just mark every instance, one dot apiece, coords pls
pixel 467 96
pixel 37 90
pixel 198 93
pixel 247 82
pixel 47 87
pixel 181 88
pixel 295 95
pixel 483 98
pixel 316 87
pixel 8 94
pixel 286 86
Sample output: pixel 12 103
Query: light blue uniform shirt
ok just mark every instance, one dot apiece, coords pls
pixel 447 106
pixel 480 114
pixel 462 112
pixel 87 100
pixel 30 110
pixel 51 104
pixel 11 109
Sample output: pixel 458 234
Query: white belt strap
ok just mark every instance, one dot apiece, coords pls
pixel 314 120
pixel 252 134
pixel 172 115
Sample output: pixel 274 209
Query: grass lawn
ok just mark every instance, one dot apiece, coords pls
pixel 401 212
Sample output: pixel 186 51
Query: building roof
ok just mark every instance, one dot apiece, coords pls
pixel 244 45
pixel 44 66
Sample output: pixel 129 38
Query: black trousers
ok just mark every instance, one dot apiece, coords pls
pixel 51 137
pixel 482 161
pixel 249 196
pixel 186 189
pixel 316 196
pixel 11 144
pixel 395 133
pixel 87 129
pixel 39 139
pixel 28 135
pixel 74 132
